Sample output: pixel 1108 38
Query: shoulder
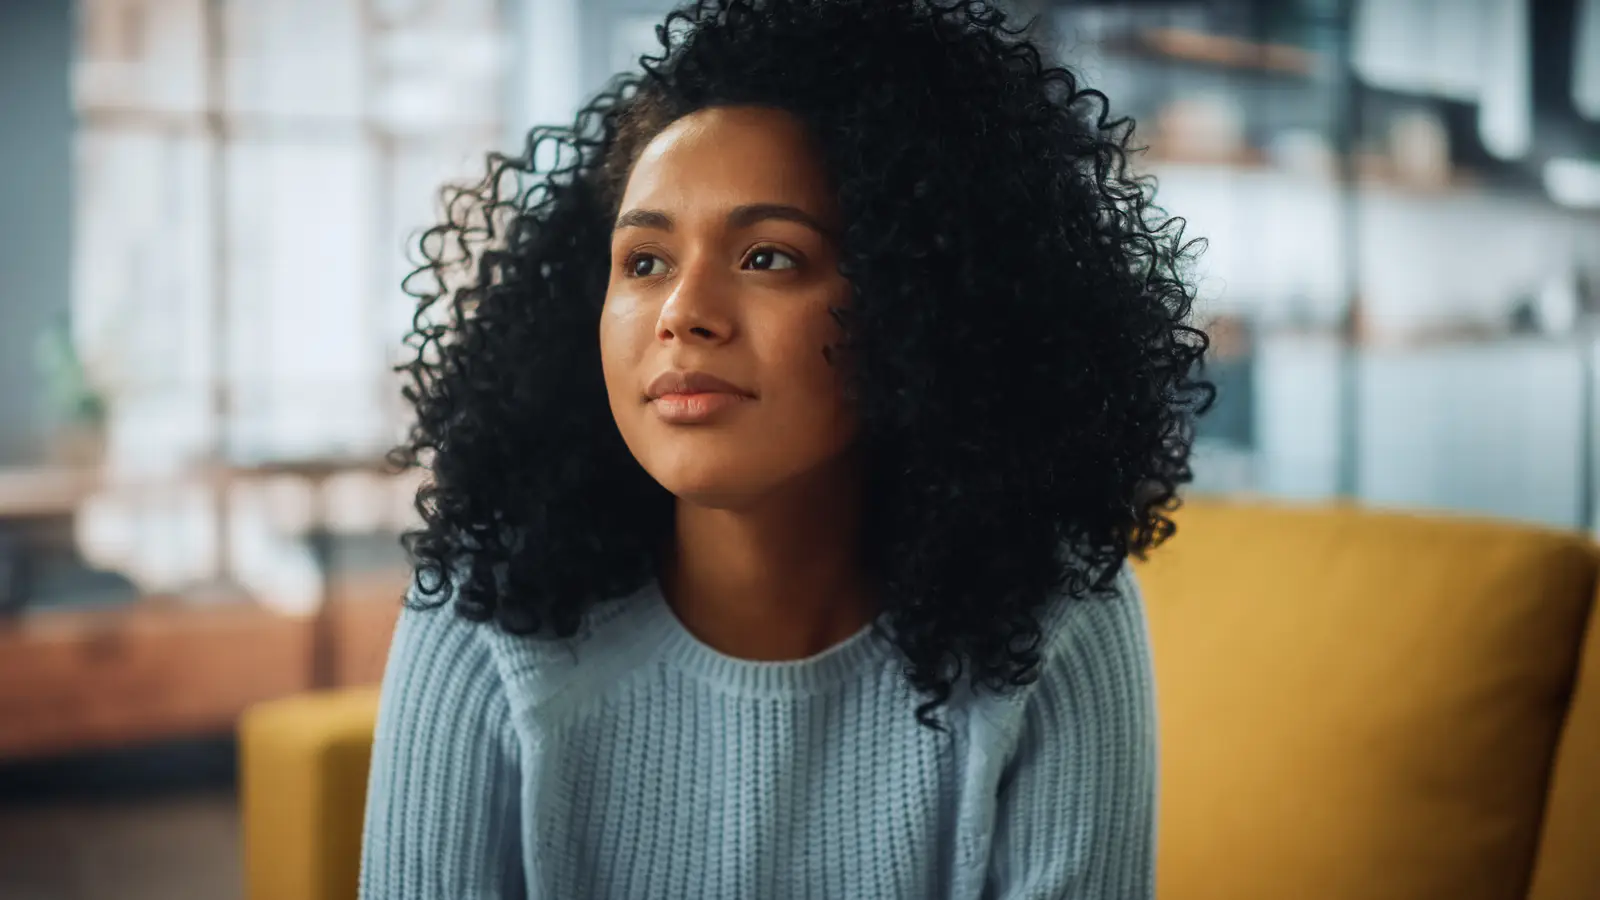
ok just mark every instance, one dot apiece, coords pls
pixel 441 684
pixel 527 671
pixel 431 637
pixel 1074 759
pixel 438 657
pixel 1094 666
pixel 1104 633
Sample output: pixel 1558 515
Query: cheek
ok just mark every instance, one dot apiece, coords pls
pixel 797 352
pixel 823 336
pixel 623 334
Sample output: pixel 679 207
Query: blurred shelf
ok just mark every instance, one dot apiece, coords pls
pixel 162 668
pixel 44 490
pixel 1216 51
pixel 1374 174
pixel 29 491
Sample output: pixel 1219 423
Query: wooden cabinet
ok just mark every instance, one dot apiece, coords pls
pixel 164 668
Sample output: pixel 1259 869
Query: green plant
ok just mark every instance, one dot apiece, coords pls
pixel 71 395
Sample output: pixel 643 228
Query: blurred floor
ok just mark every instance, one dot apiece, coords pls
pixel 150 824
pixel 180 848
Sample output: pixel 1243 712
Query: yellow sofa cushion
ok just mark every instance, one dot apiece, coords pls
pixel 1569 845
pixel 1357 704
pixel 303 788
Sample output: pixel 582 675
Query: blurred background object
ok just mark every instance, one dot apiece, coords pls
pixel 210 202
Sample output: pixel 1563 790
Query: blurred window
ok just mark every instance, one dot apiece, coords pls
pixel 248 177
pixel 248 174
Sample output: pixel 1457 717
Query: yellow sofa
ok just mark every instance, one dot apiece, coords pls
pixel 1354 705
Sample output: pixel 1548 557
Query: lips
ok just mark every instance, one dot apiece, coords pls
pixel 693 398
pixel 676 382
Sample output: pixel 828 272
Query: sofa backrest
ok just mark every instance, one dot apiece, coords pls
pixel 1361 704
pixel 1568 867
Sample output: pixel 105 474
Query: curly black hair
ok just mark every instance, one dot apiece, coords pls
pixel 1022 362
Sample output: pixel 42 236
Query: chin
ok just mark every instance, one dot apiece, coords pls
pixel 728 502
pixel 722 471
pixel 712 487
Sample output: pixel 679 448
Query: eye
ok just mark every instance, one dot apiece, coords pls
pixel 770 259
pixel 644 265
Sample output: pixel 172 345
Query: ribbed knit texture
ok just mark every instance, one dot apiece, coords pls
pixel 636 762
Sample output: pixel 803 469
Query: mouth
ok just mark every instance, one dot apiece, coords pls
pixel 686 397
pixel 691 382
pixel 689 409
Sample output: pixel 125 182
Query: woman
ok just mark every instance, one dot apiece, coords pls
pixel 791 419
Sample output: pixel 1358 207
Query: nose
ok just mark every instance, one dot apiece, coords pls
pixel 697 309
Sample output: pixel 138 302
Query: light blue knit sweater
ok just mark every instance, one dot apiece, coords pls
pixel 637 762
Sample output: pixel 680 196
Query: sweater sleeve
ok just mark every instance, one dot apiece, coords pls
pixel 1076 810
pixel 442 797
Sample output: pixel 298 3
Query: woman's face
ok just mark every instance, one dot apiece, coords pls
pixel 723 269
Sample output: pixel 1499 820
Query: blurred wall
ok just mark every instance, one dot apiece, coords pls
pixel 35 231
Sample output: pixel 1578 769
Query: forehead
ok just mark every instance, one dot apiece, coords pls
pixel 731 155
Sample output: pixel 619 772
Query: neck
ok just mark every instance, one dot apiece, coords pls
pixel 776 580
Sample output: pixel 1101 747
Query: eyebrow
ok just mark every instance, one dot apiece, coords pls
pixel 739 217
